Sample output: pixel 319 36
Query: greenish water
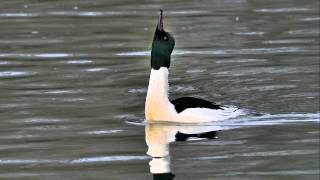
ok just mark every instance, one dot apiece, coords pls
pixel 74 76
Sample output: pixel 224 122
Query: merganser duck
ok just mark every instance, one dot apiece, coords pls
pixel 158 107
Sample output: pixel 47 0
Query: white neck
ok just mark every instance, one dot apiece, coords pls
pixel 158 106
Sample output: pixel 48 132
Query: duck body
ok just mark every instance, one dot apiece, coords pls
pixel 158 107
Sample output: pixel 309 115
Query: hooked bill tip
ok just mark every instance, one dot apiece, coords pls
pixel 160 23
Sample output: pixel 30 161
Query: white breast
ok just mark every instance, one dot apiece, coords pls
pixel 158 106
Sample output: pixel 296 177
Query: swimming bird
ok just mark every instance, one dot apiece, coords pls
pixel 158 107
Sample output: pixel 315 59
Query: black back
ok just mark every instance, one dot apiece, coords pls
pixel 183 103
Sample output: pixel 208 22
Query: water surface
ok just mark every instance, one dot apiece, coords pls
pixel 73 78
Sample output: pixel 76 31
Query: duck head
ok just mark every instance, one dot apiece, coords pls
pixel 162 46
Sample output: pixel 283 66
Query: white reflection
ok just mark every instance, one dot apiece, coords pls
pixel 220 52
pixel 7 74
pixel 79 62
pixel 160 135
pixel 282 10
pixel 36 55
pixel 97 69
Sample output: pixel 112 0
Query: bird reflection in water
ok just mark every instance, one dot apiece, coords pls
pixel 160 135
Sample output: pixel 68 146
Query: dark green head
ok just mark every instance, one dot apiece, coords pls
pixel 162 46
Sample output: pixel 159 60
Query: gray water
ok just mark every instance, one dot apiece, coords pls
pixel 73 79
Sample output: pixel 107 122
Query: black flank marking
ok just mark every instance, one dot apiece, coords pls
pixel 163 176
pixel 183 103
pixel 207 135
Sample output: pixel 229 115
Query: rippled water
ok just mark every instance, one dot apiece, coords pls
pixel 73 78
